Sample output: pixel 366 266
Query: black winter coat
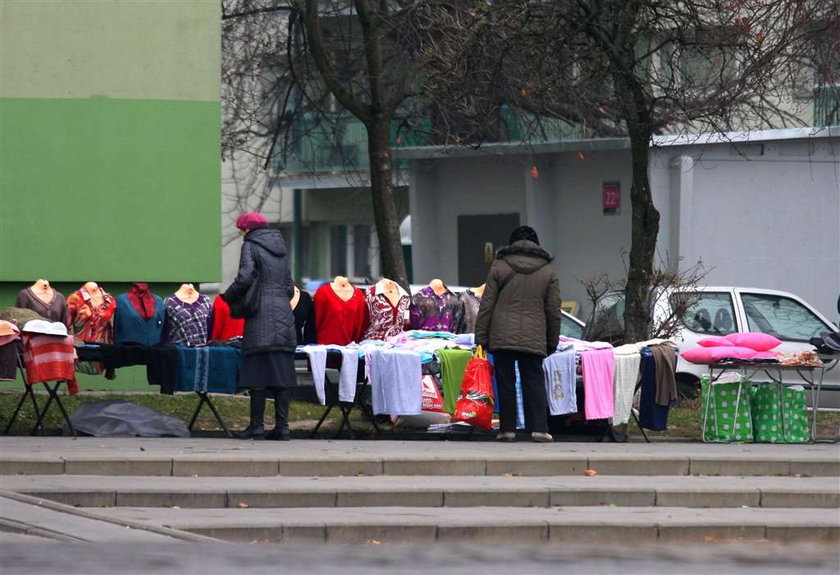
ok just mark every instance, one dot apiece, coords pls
pixel 273 326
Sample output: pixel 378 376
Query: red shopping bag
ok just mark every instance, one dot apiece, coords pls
pixel 475 402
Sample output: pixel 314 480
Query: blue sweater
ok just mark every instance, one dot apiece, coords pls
pixel 130 327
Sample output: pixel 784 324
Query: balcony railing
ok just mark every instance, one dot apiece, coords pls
pixel 338 142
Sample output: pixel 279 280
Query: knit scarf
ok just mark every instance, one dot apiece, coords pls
pixel 142 300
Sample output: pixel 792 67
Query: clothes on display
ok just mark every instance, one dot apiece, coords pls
pixel 50 358
pixel 396 382
pixel 471 300
pixel 9 338
pixel 436 308
pixel 187 317
pixel 561 382
pixel 340 313
pixel 388 310
pixel 90 314
pixel 42 298
pixel 139 316
pixel 453 364
pixel 225 327
pixel 304 312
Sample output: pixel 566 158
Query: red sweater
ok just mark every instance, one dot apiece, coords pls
pixel 224 326
pixel 337 321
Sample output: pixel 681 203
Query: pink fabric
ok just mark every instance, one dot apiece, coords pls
pixel 251 221
pixel 598 367
pixel 714 341
pixel 754 340
pixel 706 355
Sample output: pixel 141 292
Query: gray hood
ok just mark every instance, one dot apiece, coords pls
pixel 270 240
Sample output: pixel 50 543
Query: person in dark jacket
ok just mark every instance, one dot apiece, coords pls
pixel 268 345
pixel 519 321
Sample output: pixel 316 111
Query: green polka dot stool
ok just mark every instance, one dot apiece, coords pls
pixel 725 415
pixel 779 414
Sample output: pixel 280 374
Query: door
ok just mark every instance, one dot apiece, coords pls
pixel 478 239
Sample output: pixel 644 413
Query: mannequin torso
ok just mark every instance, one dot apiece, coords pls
pixel 437 286
pixel 95 293
pixel 389 288
pixel 342 288
pixel 43 290
pixel 187 293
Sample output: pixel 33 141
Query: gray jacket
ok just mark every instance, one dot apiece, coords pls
pixel 273 327
pixel 524 314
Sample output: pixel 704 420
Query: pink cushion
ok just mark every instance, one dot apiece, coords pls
pixel 714 341
pixel 706 355
pixel 754 340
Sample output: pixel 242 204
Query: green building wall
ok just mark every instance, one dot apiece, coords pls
pixel 109 143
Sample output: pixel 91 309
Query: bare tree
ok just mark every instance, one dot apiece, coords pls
pixel 328 57
pixel 635 68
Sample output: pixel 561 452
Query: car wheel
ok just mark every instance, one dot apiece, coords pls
pixel 688 388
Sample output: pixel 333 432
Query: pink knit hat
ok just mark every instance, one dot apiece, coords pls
pixel 251 221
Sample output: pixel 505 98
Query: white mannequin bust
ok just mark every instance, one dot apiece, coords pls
pixel 187 293
pixel 391 290
pixel 42 290
pixel 97 298
pixel 342 287
pixel 437 286
pixel 295 298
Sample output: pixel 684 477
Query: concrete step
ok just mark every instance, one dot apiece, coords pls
pixel 306 458
pixel 430 491
pixel 505 525
pixel 25 518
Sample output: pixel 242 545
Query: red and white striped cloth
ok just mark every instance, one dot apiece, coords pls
pixel 50 358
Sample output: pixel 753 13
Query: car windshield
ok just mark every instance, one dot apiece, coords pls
pixel 570 328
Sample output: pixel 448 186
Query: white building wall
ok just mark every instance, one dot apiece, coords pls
pixel 762 214
pixel 759 214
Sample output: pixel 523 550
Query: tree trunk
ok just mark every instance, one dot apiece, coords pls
pixel 645 229
pixel 384 205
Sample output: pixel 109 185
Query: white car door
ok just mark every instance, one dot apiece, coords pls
pixel 790 319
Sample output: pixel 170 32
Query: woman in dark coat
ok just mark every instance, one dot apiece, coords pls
pixel 268 346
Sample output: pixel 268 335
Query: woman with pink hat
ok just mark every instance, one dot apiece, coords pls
pixel 268 346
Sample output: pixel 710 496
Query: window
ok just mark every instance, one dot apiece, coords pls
pixel 709 313
pixel 785 318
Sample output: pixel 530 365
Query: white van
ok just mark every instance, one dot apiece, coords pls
pixel 717 311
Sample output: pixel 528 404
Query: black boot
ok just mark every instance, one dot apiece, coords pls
pixel 256 428
pixel 281 415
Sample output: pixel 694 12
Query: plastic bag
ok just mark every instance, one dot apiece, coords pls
pixel 432 398
pixel 475 402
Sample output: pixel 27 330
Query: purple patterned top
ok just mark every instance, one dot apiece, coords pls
pixel 187 323
pixel 432 312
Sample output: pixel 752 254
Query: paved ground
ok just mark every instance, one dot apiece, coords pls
pixel 233 559
pixel 203 465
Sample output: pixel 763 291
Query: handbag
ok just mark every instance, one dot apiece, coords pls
pixel 249 304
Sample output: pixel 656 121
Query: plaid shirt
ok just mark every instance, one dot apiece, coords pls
pixel 187 323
